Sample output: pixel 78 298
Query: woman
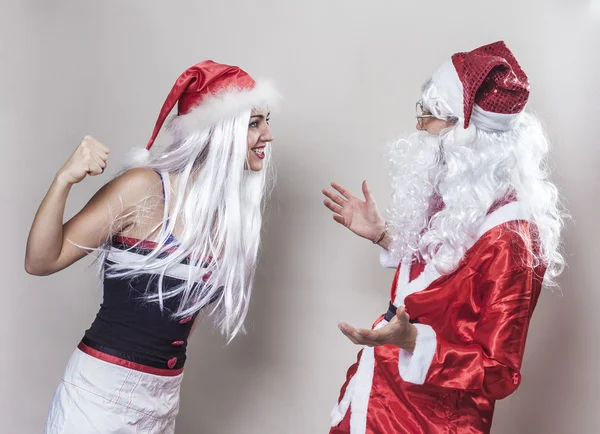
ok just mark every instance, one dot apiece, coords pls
pixel 177 233
pixel 474 231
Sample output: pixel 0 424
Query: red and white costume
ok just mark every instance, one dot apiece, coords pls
pixel 125 375
pixel 472 326
pixel 471 323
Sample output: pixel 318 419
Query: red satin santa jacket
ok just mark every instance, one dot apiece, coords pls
pixel 472 325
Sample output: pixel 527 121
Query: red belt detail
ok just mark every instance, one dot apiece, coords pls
pixel 126 363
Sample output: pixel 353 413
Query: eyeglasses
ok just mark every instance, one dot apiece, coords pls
pixel 422 113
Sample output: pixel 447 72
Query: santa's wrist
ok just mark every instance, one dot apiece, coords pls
pixel 379 232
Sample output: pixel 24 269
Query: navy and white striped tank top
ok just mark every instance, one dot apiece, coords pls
pixel 132 329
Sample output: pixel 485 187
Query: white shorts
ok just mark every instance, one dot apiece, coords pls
pixel 98 397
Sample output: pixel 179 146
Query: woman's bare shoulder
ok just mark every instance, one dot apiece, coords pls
pixel 135 184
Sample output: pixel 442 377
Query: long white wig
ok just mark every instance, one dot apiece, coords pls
pixel 220 202
pixel 444 186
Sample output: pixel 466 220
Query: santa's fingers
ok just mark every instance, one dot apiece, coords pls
pixel 361 340
pixel 348 331
pixel 335 198
pixel 333 207
pixel 342 191
pixel 340 219
pixel 352 334
pixel 372 335
pixel 402 315
pixel 367 192
pixel 381 336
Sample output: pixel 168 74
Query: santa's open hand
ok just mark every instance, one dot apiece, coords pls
pixel 360 216
pixel 399 331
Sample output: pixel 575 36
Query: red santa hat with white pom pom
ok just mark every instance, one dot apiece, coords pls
pixel 209 92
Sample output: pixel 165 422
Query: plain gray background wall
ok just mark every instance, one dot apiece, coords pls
pixel 351 72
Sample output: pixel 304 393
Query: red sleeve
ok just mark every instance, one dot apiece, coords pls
pixel 491 363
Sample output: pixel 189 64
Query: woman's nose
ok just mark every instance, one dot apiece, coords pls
pixel 266 136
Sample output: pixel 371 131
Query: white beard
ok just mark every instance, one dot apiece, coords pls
pixel 468 174
pixel 416 170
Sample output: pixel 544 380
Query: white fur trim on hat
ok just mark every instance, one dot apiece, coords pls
pixel 225 104
pixel 137 157
pixel 449 87
pixel 489 121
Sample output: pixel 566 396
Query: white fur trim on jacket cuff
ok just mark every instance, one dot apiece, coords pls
pixel 387 260
pixel 414 366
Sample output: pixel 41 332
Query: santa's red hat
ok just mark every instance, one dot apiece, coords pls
pixel 209 92
pixel 486 86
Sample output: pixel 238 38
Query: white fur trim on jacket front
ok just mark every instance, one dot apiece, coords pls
pixel 414 366
pixel 226 104
pixel 358 392
pixel 513 211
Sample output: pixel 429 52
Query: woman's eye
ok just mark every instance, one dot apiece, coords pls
pixel 254 125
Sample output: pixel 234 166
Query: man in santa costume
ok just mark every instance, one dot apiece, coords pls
pixel 474 233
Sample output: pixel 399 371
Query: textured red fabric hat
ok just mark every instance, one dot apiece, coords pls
pixel 486 85
pixel 209 92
